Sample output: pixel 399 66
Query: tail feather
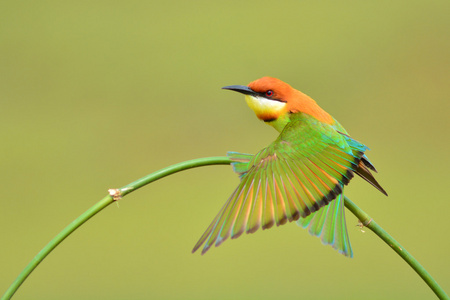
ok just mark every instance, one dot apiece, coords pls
pixel 328 223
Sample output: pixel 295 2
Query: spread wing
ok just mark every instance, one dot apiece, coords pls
pixel 300 172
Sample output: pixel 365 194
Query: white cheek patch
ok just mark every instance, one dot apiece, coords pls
pixel 262 105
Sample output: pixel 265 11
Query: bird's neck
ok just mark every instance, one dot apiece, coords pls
pixel 280 122
pixel 305 104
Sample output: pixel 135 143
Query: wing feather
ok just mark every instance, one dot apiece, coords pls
pixel 293 179
pixel 241 215
pixel 268 210
pixel 254 220
pixel 280 207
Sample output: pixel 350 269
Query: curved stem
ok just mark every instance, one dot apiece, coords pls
pixel 101 205
pixel 119 193
pixel 54 243
pixel 368 222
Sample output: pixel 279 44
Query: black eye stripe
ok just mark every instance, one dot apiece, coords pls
pixel 263 95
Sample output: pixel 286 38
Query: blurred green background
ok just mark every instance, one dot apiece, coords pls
pixel 96 94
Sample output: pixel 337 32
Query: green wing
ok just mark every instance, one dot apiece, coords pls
pixel 302 171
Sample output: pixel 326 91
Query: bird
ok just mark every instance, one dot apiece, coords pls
pixel 299 177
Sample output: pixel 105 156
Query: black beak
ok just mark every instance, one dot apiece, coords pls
pixel 241 89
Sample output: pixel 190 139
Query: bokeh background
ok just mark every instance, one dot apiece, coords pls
pixel 96 94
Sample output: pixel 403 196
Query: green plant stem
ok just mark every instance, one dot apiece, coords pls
pixel 101 205
pixel 368 222
pixel 119 193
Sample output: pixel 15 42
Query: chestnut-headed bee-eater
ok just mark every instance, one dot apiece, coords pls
pixel 299 177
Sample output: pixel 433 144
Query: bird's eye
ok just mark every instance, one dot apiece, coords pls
pixel 269 93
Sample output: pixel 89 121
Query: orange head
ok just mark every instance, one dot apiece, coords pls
pixel 272 99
